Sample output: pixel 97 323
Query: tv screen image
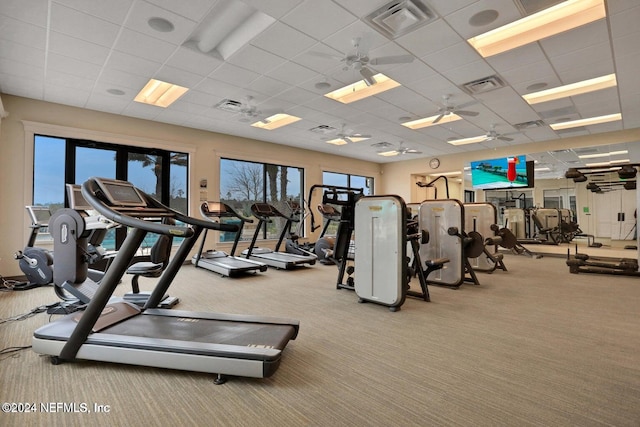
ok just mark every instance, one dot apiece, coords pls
pixel 501 173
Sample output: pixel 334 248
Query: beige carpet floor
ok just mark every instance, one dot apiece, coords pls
pixel 534 346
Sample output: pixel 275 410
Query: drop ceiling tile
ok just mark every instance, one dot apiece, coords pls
pixel 293 74
pixel 267 86
pixel 70 46
pixel 143 46
pixel 192 61
pixel 470 72
pixel 66 95
pixel 83 26
pixel 318 18
pixel 57 79
pixel 32 12
pixel 72 66
pixel 132 64
pixel 178 77
pixel 253 58
pixel 459 19
pixel 271 39
pixel 113 11
pixel 234 75
pixel 193 9
pixel 112 78
pixel 518 58
pixel 23 33
pixel 140 14
pixel 431 38
pixel 18 56
pixel 343 40
pixel 276 9
pixel 581 38
pixel 625 22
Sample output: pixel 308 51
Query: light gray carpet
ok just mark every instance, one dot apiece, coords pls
pixel 534 346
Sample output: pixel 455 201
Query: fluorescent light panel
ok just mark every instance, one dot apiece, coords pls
pixel 360 90
pixel 554 20
pixel 464 141
pixel 612 153
pixel 389 153
pixel 340 141
pixel 572 89
pixel 610 163
pixel 159 93
pixel 276 121
pixel 586 122
pixel 428 121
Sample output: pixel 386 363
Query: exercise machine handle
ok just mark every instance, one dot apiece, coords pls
pixel 93 194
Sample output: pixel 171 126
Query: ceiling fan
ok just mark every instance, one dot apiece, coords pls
pixel 493 135
pixel 448 109
pixel 399 151
pixel 358 59
pixel 345 136
pixel 248 110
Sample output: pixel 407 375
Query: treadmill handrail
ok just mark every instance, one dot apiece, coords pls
pixel 91 191
pixel 228 212
pixel 273 212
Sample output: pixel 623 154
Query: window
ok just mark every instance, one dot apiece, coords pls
pixel 346 180
pixel 57 161
pixel 244 183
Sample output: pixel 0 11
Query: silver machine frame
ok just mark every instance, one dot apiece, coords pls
pixel 381 250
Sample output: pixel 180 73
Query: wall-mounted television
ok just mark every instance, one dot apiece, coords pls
pixel 502 173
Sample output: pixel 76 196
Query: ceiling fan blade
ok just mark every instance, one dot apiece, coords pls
pixel 438 118
pixel 412 151
pixel 505 138
pixel 347 139
pixel 466 113
pixel 396 59
pixel 359 135
pixel 367 74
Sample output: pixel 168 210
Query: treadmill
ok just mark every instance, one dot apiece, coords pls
pixel 273 258
pixel 219 261
pixel 113 330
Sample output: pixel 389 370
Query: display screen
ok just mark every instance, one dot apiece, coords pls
pixel 76 199
pixel 120 193
pixel 39 214
pixel 502 173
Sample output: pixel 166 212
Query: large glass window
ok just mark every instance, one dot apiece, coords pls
pixel 244 183
pixel 345 180
pixel 48 176
pixel 58 161
pixel 349 180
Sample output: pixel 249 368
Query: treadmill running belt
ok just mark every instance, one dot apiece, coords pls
pixel 205 331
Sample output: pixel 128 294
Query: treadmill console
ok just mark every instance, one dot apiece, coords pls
pixel 120 193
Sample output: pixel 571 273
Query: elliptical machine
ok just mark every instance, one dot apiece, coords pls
pixel 36 263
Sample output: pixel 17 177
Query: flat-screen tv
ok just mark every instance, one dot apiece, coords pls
pixel 502 173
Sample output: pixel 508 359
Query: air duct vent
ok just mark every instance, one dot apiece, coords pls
pixel 399 17
pixel 529 125
pixel 229 105
pixel 486 84
pixel 323 129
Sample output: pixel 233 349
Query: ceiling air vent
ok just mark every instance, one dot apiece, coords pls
pixel 483 85
pixel 229 105
pixel 399 17
pixel 323 129
pixel 529 125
